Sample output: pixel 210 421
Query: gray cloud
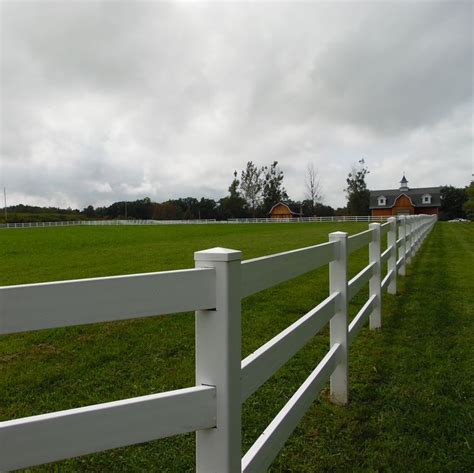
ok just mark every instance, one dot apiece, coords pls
pixel 110 100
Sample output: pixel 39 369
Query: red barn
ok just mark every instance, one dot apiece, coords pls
pixel 405 201
pixel 281 210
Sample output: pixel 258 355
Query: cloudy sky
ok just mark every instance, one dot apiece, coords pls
pixel 105 100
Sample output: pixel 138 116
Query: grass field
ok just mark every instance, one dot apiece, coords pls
pixel 411 383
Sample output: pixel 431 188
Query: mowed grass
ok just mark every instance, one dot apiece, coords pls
pixel 411 383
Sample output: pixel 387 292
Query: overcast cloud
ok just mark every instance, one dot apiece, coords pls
pixel 105 101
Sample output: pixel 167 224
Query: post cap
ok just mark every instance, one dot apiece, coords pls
pixel 217 254
pixel 338 235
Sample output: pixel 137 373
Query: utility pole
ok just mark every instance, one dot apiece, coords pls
pixel 5 200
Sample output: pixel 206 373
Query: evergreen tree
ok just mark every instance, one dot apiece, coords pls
pixel 273 190
pixel 358 196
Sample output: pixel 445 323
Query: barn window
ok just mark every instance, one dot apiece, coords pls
pixel 382 200
pixel 427 199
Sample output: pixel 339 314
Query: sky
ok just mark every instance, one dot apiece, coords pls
pixel 104 101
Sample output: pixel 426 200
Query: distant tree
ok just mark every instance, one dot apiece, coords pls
pixel 188 208
pixel 207 208
pixel 234 187
pixel 358 196
pixel 233 205
pixel 313 186
pixel 273 190
pixel 324 210
pixel 140 209
pixel 167 211
pixel 452 202
pixel 251 185
pixel 307 208
pixel 89 211
pixel 469 204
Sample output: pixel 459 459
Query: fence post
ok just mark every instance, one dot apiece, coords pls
pixel 218 358
pixel 376 279
pixel 419 222
pixel 392 260
pixel 415 234
pixel 402 251
pixel 409 238
pixel 338 324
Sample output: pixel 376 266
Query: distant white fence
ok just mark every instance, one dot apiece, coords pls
pixel 342 218
pixel 214 288
pixel 335 218
pixel 74 223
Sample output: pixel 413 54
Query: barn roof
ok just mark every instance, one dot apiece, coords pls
pixel 293 212
pixel 415 195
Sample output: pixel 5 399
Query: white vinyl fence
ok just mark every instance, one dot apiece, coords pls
pixel 335 218
pixel 214 288
pixel 75 223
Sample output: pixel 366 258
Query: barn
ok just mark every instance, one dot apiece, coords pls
pixel 282 210
pixel 405 201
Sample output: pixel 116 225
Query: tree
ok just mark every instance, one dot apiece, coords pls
pixel 89 211
pixel 452 201
pixel 207 208
pixel 313 187
pixel 232 206
pixel 469 204
pixel 251 185
pixel 234 187
pixel 273 190
pixel 358 196
pixel 167 211
pixel 323 210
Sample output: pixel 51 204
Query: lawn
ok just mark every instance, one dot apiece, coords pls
pixel 410 383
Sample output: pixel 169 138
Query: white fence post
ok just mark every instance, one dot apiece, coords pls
pixel 392 260
pixel 419 222
pixel 338 325
pixel 415 235
pixel 218 358
pixel 409 238
pixel 375 282
pixel 402 251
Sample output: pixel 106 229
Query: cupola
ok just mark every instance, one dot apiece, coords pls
pixel 404 184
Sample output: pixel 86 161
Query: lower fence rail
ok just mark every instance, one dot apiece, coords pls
pixel 65 434
pixel 265 449
pixel 360 319
pixel 264 362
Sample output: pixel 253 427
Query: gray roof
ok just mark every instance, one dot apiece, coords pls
pixel 416 196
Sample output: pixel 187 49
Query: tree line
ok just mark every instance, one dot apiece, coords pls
pixel 251 193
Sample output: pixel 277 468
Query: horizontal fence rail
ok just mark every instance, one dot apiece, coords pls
pixel 214 289
pixel 85 301
pixel 264 362
pixel 359 280
pixel 265 449
pixel 75 223
pixel 51 437
pixel 261 273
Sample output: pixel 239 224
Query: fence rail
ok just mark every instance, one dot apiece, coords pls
pixel 214 289
pixel 72 223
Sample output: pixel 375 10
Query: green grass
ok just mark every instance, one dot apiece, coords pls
pixel 411 383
